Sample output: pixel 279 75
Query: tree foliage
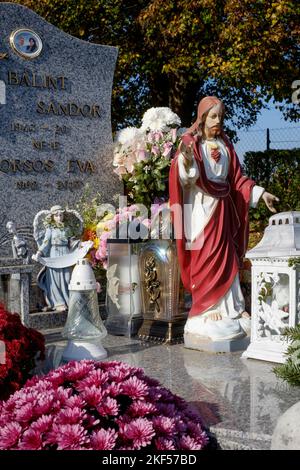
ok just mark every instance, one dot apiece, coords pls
pixel 172 53
pixel 278 171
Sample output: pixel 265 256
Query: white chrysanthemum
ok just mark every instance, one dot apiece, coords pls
pixel 160 119
pixel 128 135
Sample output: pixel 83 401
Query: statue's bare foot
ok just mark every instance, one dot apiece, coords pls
pixel 215 316
pixel 61 308
pixel 245 314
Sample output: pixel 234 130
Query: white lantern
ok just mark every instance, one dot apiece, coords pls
pixel 123 297
pixel 84 328
pixel 275 287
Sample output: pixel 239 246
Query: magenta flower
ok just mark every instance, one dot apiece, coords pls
pixel 135 388
pixel 140 431
pixel 70 416
pixel 108 406
pixel 104 439
pixel 32 440
pixel 68 436
pixel 43 424
pixel 96 378
pixel 103 406
pixel 9 435
pixel 164 426
pixel 92 396
pixel 141 408
pixel 25 413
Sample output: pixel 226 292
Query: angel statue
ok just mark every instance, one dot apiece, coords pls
pixel 57 232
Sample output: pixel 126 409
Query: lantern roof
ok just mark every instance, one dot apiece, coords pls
pixel 281 237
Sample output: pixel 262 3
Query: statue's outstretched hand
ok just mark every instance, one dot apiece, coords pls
pixel 36 256
pixel 269 201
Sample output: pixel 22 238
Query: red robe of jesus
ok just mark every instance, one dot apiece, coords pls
pixel 209 271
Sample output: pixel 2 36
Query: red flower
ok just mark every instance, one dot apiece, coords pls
pixel 22 345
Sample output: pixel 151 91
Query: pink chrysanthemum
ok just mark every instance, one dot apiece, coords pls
pixel 140 431
pixel 96 378
pixel 113 389
pixel 92 396
pixel 140 408
pixel 25 413
pixel 113 406
pixel 135 388
pixel 31 440
pixel 164 426
pixel 68 436
pixel 78 370
pixel 75 401
pixel 9 435
pixel 108 407
pixel 104 439
pixel 44 404
pixel 42 424
pixel 71 416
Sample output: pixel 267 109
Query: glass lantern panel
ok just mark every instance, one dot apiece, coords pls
pixel 123 287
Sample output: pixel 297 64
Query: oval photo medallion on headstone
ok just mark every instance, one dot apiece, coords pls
pixel 26 43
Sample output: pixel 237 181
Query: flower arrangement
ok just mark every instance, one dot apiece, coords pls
pixel 142 156
pixel 107 226
pixel 22 345
pixel 100 406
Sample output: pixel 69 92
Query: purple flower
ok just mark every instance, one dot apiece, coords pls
pixel 104 439
pixel 164 444
pixel 188 443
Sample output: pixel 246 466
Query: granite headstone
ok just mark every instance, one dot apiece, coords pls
pixel 55 118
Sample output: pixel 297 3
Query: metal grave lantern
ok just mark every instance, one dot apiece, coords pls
pixel 163 302
pixel 84 328
pixel 275 277
pixel 123 292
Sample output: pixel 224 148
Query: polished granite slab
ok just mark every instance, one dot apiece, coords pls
pixel 240 400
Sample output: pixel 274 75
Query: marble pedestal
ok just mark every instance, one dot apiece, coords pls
pixel 192 341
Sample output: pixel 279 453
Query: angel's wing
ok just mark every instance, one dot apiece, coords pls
pixel 75 222
pixel 39 226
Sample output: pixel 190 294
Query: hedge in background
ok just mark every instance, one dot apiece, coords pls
pixel 278 171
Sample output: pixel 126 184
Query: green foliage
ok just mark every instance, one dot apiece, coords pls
pixel 278 171
pixel 173 53
pixel 294 261
pixel 290 370
pixel 87 206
